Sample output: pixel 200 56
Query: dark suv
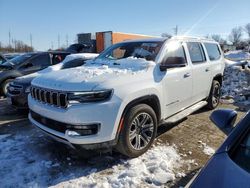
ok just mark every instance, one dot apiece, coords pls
pixel 26 64
pixel 19 89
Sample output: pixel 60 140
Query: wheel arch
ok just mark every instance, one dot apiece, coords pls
pixel 219 78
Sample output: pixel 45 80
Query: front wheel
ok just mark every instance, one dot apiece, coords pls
pixel 138 131
pixel 5 86
pixel 214 96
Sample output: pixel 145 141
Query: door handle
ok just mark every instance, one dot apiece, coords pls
pixel 187 75
pixel 207 69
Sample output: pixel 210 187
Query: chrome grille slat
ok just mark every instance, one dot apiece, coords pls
pixel 54 98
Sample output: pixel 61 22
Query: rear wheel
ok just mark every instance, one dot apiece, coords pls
pixel 138 131
pixel 214 96
pixel 5 86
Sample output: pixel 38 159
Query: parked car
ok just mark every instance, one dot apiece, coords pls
pixel 26 64
pixel 119 98
pixel 19 89
pixel 230 165
pixel 2 59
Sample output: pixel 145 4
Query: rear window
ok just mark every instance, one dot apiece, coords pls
pixel 196 52
pixel 213 51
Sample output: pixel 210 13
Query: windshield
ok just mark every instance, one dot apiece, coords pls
pixel 146 50
pixel 19 59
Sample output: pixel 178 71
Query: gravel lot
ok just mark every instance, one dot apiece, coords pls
pixel 195 139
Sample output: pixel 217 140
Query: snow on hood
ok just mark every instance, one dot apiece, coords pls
pixel 130 63
pixel 92 74
pixel 237 55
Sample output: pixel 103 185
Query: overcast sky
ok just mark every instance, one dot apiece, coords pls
pixel 46 19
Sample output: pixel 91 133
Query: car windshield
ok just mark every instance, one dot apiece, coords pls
pixel 146 50
pixel 19 59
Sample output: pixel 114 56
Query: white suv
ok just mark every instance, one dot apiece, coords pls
pixel 119 98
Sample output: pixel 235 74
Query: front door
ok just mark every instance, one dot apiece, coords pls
pixel 177 82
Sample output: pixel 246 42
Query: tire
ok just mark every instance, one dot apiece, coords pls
pixel 214 95
pixel 4 86
pixel 135 139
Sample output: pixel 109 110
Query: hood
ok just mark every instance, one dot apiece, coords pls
pixel 94 73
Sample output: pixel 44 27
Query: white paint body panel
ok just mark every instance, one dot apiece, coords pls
pixel 174 91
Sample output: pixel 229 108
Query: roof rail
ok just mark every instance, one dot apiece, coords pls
pixel 191 37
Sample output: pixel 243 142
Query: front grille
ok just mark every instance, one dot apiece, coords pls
pixel 62 127
pixel 55 98
pixel 14 89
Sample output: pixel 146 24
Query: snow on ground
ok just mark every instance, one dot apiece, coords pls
pixel 32 163
pixel 206 149
pixel 235 83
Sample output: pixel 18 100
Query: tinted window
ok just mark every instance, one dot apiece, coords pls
pixel 196 52
pixel 174 54
pixel 19 59
pixel 57 58
pixel 73 63
pixel 41 60
pixel 241 155
pixel 213 51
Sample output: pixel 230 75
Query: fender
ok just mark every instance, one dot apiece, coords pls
pixel 143 99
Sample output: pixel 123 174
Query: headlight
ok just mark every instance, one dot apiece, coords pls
pixel 93 96
pixel 27 90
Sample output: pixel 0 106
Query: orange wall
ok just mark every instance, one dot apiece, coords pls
pixel 116 37
pixel 119 37
pixel 99 42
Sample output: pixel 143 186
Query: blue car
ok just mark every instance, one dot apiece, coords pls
pixel 230 165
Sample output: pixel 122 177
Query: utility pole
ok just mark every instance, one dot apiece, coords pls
pixel 58 41
pixel 31 40
pixel 67 40
pixel 176 30
pixel 9 37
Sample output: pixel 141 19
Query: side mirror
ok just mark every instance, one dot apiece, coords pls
pixel 172 62
pixel 224 119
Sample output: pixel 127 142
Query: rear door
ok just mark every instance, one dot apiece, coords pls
pixel 215 57
pixel 200 70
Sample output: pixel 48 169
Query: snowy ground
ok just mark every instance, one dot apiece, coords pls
pixel 28 158
pixel 23 165
pixel 236 83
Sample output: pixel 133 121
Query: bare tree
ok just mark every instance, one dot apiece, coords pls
pixel 247 29
pixel 217 38
pixel 235 35
pixel 166 35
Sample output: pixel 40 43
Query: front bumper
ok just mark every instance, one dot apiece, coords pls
pixel 105 114
pixel 18 96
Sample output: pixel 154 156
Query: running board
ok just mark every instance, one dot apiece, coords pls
pixel 182 114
